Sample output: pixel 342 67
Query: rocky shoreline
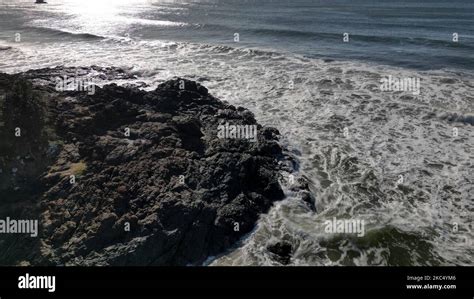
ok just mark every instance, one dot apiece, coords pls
pixel 122 176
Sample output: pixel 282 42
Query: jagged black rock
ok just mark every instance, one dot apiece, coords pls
pixel 136 179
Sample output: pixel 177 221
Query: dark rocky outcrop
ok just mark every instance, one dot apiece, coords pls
pixel 154 185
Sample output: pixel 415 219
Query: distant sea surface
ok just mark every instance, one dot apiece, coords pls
pixel 405 33
pixel 400 161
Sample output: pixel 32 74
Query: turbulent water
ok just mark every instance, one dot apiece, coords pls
pixel 400 161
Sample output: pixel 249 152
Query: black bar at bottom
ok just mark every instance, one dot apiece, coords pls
pixel 244 282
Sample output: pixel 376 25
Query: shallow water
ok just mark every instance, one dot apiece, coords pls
pixel 352 140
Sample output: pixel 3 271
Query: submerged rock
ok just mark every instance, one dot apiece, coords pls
pixel 128 177
pixel 282 252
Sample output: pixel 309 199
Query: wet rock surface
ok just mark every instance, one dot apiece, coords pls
pixel 129 177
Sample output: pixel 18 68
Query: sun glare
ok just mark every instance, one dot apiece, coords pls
pixel 99 16
pixel 94 8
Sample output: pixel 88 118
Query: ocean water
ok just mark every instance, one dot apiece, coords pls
pixel 399 160
pixel 403 33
